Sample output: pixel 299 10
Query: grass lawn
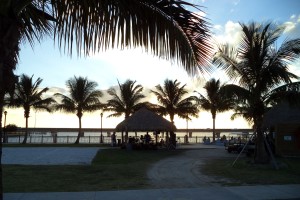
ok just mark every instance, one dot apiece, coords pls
pixel 111 169
pixel 244 172
pixel 116 169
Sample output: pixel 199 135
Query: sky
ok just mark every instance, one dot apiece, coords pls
pixel 45 60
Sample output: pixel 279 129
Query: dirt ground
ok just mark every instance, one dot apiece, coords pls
pixel 185 170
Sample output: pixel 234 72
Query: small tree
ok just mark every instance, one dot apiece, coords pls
pixel 215 100
pixel 127 101
pixel 172 100
pixel 28 95
pixel 83 98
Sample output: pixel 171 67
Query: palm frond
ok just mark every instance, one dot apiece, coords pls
pixel 162 27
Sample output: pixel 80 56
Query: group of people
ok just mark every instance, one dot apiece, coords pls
pixel 145 139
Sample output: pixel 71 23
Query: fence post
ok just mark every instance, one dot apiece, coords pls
pixel 67 139
pixel 42 139
pixel 196 139
pixel 89 139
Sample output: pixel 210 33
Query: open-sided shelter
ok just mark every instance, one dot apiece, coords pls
pixel 145 120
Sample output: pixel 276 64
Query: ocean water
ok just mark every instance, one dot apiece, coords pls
pixel 94 137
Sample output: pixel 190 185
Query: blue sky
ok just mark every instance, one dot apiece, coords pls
pixel 47 62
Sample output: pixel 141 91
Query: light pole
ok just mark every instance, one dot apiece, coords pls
pixel 101 137
pixel 4 138
pixel 5 113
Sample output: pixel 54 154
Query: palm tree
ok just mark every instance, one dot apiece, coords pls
pixel 172 102
pixel 28 95
pixel 216 100
pixel 127 102
pixel 260 68
pixel 83 98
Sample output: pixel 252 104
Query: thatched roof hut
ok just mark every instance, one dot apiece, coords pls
pixel 145 120
pixel 282 113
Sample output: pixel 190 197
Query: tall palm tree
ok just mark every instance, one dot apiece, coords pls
pixel 215 100
pixel 172 102
pixel 83 97
pixel 259 67
pixel 127 101
pixel 28 95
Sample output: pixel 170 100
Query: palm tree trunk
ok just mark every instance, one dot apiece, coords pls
pixel 79 131
pixel 1 135
pixel 26 131
pixel 214 129
pixel 9 50
pixel 261 155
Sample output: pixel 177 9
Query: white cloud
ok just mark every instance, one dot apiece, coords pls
pixel 295 67
pixel 232 34
pixel 293 17
pixel 236 2
pixel 292 26
pixel 218 27
pixel 145 68
pixel 289 26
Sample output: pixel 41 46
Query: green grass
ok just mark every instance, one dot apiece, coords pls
pixel 245 172
pixel 111 169
pixel 116 169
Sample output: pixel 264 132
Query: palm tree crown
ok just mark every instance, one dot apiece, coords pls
pixel 127 102
pixel 216 100
pixel 260 67
pixel 83 98
pixel 172 101
pixel 28 95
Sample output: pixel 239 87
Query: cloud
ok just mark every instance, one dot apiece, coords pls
pixel 292 26
pixel 236 2
pixel 138 65
pixel 218 27
pixel 295 67
pixel 293 17
pixel 231 34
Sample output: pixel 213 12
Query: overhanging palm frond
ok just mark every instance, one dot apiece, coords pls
pixel 163 27
pixel 288 92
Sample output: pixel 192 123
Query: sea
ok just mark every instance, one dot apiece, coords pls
pixel 93 137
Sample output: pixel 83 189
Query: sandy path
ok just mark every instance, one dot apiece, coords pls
pixel 185 170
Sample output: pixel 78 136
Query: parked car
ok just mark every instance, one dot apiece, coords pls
pixel 241 142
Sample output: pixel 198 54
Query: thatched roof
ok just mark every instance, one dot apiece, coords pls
pixel 282 113
pixel 145 120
